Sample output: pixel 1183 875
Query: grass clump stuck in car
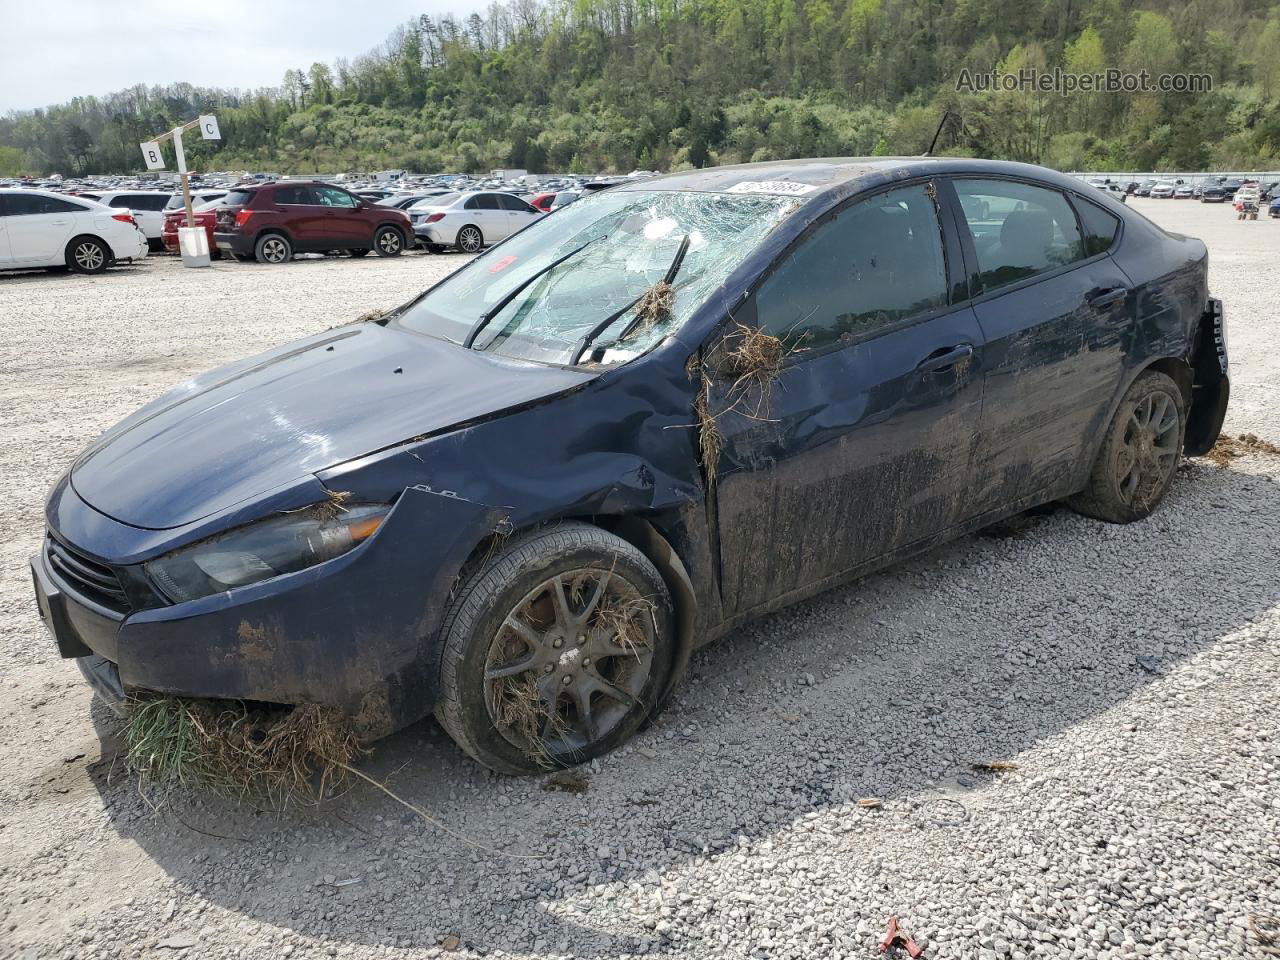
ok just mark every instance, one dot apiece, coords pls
pixel 273 754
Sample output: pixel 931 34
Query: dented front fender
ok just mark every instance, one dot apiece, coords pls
pixel 333 633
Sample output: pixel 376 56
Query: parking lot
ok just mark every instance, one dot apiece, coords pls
pixel 1122 679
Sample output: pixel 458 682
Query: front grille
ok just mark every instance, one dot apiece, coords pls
pixel 96 580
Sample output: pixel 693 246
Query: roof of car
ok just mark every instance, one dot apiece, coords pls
pixel 810 177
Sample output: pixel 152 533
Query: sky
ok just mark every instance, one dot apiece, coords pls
pixel 49 54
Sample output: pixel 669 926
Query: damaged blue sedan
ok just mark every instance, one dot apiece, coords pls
pixel 522 499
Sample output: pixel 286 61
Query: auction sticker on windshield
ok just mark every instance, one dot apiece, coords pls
pixel 772 186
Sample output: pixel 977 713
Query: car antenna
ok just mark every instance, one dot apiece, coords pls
pixel 934 142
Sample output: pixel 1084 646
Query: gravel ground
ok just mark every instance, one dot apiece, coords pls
pixel 1128 672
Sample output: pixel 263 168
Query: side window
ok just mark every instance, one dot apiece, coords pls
pixel 1100 227
pixel 294 196
pixel 56 205
pixel 488 201
pixel 515 203
pixel 20 205
pixel 473 203
pixel 124 201
pixel 331 197
pixel 877 262
pixel 1018 230
pixel 151 203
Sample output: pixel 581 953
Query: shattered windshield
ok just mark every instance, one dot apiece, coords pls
pixel 618 250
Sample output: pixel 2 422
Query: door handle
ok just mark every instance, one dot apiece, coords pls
pixel 1101 299
pixel 944 358
pixel 58 223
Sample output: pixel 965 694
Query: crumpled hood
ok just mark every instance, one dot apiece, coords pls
pixel 240 431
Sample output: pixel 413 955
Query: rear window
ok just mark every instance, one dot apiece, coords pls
pixel 175 202
pixel 238 198
pixel 1100 227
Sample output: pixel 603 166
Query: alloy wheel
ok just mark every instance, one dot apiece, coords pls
pixel 469 239
pixel 89 256
pixel 1149 450
pixel 569 662
pixel 389 241
pixel 274 250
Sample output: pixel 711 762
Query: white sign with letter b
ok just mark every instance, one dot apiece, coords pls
pixel 152 155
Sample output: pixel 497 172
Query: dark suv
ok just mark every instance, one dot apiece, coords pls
pixel 274 221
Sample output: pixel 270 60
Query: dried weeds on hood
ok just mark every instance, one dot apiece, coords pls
pixel 273 755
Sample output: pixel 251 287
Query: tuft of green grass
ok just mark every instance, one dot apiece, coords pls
pixel 276 755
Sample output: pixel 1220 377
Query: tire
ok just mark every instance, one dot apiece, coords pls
pixel 388 242
pixel 359 252
pixel 469 239
pixel 530 718
pixel 273 248
pixel 1147 433
pixel 88 255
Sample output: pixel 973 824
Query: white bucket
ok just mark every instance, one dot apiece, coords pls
pixel 193 244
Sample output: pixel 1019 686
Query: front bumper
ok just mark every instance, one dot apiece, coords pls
pixel 358 632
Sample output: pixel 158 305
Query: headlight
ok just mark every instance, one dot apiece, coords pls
pixel 262 550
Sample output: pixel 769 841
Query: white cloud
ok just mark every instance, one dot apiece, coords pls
pixel 83 47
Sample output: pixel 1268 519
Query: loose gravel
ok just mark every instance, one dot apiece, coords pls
pixel 820 770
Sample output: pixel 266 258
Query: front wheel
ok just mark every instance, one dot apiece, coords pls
pixel 273 248
pixel 88 255
pixel 1139 454
pixel 555 651
pixel 470 239
pixel 388 242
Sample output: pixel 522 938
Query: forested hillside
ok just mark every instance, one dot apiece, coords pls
pixel 592 85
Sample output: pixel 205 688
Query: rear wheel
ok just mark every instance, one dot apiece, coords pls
pixel 470 239
pixel 555 651
pixel 388 242
pixel 273 248
pixel 88 255
pixel 1139 455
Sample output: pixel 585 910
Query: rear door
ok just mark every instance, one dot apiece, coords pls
pixel 490 215
pixel 1055 311
pixel 861 444
pixel 39 227
pixel 302 216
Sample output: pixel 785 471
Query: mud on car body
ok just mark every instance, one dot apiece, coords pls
pixel 523 498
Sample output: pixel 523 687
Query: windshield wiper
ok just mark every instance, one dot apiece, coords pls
pixel 501 305
pixel 613 318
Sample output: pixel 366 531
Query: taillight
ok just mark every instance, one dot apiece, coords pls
pixel 434 217
pixel 123 217
pixel 242 217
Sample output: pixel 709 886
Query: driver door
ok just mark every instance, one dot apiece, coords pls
pixel 861 444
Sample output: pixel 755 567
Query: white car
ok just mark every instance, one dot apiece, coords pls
pixel 469 221
pixel 1163 190
pixel 42 229
pixel 147 207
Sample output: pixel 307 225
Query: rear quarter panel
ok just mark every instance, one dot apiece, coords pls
pixel 1169 273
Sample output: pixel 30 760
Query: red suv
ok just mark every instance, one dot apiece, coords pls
pixel 274 221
